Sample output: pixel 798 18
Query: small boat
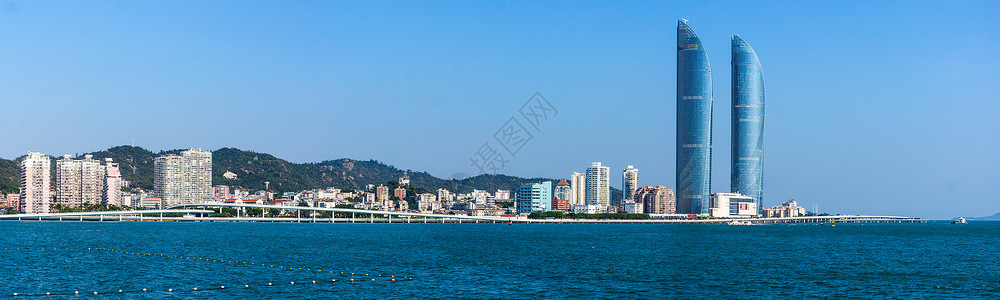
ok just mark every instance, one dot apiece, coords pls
pixel 960 220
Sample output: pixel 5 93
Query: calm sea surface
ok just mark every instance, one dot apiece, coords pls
pixel 493 261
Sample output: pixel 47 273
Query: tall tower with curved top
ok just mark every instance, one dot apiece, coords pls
pixel 748 123
pixel 694 123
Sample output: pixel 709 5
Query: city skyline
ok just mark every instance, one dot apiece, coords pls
pixel 854 104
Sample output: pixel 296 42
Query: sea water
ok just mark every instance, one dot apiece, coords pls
pixel 499 261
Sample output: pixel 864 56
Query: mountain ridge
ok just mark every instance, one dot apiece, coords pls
pixel 254 168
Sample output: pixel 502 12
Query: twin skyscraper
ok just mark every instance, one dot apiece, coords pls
pixel 694 123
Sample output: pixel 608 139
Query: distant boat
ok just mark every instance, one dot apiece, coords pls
pixel 738 222
pixel 961 220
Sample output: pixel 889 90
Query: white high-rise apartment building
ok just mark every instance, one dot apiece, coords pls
pixel 35 180
pixel 183 179
pixel 578 189
pixel 630 183
pixel 598 185
pixel 79 182
pixel 112 184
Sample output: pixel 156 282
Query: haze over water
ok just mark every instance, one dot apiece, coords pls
pixel 932 260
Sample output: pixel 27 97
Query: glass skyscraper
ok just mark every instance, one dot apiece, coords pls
pixel 748 123
pixel 694 123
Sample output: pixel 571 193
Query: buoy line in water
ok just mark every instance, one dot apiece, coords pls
pixel 353 277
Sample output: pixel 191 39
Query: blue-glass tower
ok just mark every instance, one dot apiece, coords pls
pixel 694 123
pixel 748 123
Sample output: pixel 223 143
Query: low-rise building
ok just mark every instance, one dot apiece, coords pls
pixel 787 209
pixel 589 209
pixel 632 208
pixel 732 205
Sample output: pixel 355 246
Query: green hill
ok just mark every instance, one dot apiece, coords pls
pixel 253 169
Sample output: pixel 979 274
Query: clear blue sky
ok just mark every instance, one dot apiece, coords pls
pixel 877 107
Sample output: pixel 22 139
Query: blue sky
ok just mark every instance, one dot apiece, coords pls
pixel 876 107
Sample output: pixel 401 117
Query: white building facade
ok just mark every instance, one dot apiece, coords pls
pixel 183 179
pixel 35 183
pixel 598 185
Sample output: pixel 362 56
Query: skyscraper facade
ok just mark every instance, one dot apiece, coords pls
pixel 630 182
pixel 112 183
pixel 35 182
pixel 183 179
pixel 598 185
pixel 694 123
pixel 578 189
pixel 748 123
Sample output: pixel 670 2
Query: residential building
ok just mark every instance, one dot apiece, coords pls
pixel 656 200
pixel 732 205
pixel 787 209
pixel 184 178
pixel 80 182
pixel 382 193
pixel 35 183
pixel 220 193
pixel 502 195
pixel 747 123
pixel 630 182
pixel 444 195
pixel 535 197
pixel 694 123
pixel 479 196
pixel 578 189
pixel 598 185
pixel 112 183
pixel 399 192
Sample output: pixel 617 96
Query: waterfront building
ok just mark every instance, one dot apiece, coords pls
pixel 79 182
pixel 598 185
pixel 578 189
pixel 535 197
pixel 220 193
pixel 747 123
pixel 563 191
pixel 732 205
pixel 151 202
pixel 787 209
pixel 127 200
pixel 184 178
pixel 630 182
pixel 589 209
pixel 35 183
pixel 112 183
pixel 694 123
pixel 382 193
pixel 632 208
pixel 656 200
pixel 560 204
pixel 399 192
